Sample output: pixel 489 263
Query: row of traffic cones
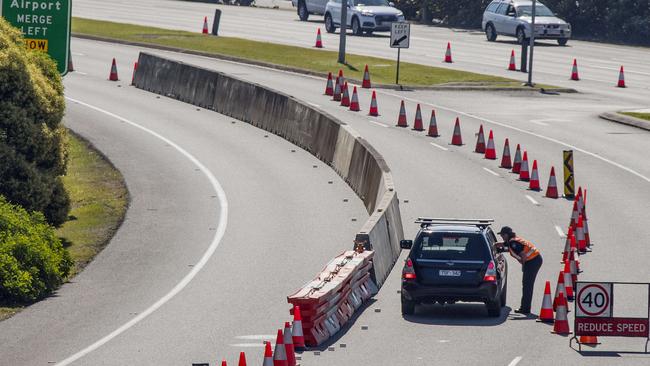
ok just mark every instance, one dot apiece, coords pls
pixel 113 73
pixel 621 74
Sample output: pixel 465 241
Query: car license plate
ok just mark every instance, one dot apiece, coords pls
pixel 449 273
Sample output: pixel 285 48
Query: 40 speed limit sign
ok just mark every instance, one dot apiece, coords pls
pixel 594 299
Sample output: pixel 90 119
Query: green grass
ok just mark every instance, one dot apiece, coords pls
pixel 99 201
pixel 311 59
pixel 645 116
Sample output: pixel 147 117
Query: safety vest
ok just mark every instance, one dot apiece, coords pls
pixel 529 252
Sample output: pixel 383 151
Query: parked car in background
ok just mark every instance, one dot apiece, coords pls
pixel 513 18
pixel 363 16
pixel 307 7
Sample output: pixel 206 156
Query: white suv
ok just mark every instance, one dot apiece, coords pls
pixel 363 16
pixel 513 18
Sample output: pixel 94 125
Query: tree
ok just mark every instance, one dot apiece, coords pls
pixel 33 142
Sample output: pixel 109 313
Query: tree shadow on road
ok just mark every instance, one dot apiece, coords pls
pixel 457 314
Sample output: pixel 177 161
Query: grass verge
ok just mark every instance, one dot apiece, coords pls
pixel 99 201
pixel 314 60
pixel 644 116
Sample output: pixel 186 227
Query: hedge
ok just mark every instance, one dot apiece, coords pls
pixel 32 139
pixel 33 262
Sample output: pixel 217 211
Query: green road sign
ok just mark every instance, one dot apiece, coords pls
pixel 45 25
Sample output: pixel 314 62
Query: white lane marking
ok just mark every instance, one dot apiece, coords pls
pixel 547 138
pixel 439 147
pixel 248 345
pixel 77 54
pixel 538 122
pixel 379 124
pixel 515 361
pixel 313 104
pixel 491 172
pixel 531 199
pixel 560 232
pixel 443 341
pixel 80 73
pixel 219 233
pixel 261 337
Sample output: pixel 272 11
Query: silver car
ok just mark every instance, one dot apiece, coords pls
pixel 513 18
pixel 363 16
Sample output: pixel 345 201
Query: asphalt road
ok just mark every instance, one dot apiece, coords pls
pixel 173 287
pixel 598 63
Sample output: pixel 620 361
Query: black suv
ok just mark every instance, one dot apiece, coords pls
pixel 454 260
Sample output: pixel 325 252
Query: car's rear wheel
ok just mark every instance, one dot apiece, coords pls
pixel 329 24
pixel 494 308
pixel 521 35
pixel 562 41
pixel 490 32
pixel 303 13
pixel 408 307
pixel 356 27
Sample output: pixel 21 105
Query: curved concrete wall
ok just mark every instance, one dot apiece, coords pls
pixel 327 138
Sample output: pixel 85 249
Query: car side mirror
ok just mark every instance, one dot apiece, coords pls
pixel 406 244
pixel 392 4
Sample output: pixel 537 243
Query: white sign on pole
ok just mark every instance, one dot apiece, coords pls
pixel 594 300
pixel 400 35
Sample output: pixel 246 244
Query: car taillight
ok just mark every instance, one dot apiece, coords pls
pixel 408 273
pixel 490 273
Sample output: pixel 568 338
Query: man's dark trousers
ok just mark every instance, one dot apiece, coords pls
pixel 530 269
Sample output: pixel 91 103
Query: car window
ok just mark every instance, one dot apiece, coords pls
pixel 510 11
pixel 369 2
pixel 492 7
pixel 451 246
pixel 502 8
pixel 540 11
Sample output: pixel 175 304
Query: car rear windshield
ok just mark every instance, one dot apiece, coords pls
pixel 452 246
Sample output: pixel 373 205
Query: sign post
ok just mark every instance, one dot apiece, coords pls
pixel 45 25
pixel 400 37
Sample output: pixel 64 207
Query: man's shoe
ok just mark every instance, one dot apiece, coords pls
pixel 522 311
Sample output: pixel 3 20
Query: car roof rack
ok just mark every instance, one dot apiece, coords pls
pixel 426 221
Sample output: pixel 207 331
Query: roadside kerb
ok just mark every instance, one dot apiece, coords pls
pixel 626 120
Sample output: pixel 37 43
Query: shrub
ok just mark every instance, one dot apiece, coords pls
pixel 32 140
pixel 33 262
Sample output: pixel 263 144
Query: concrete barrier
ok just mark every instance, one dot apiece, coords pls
pixel 324 136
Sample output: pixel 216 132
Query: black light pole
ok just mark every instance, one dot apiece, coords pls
pixel 344 22
pixel 532 46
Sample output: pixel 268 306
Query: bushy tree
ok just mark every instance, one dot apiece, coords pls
pixel 33 262
pixel 32 140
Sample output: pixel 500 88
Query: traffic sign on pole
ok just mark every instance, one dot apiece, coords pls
pixel 400 37
pixel 45 25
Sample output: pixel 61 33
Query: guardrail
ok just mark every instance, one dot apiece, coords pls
pixel 325 137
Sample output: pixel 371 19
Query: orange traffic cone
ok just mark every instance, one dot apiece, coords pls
pixel 523 171
pixel 574 266
pixel 534 178
pixel 296 330
pixel 561 324
pixel 480 142
pixel 490 151
pixel 113 75
pixel 345 99
pixel 135 68
pixel 337 90
pixel 448 53
pixel 506 161
pixel 573 221
pixel 70 64
pixel 224 363
pixel 621 78
pixel 329 88
pixel 268 354
pixel 511 65
pixel 567 245
pixel 457 139
pixel 589 340
pixel 366 79
pixel 574 71
pixel 568 281
pixel 433 125
pixel 341 76
pixel 319 41
pixel 374 111
pixel 559 290
pixel 401 119
pixel 205 25
pixel 551 190
pixel 580 236
pixel 417 124
pixel 288 345
pixel 581 203
pixel 546 314
pixel 242 359
pixel 516 165
pixel 280 353
pixel 354 104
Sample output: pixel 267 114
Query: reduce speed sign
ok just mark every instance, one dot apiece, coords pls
pixel 594 299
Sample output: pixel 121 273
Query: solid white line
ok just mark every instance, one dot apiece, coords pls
pixel 491 172
pixel 515 361
pixel 531 199
pixel 219 233
pixel 248 345
pixel 261 337
pixel 439 147
pixel 379 124
pixel 80 73
pixel 560 232
pixel 551 139
pixel 538 122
